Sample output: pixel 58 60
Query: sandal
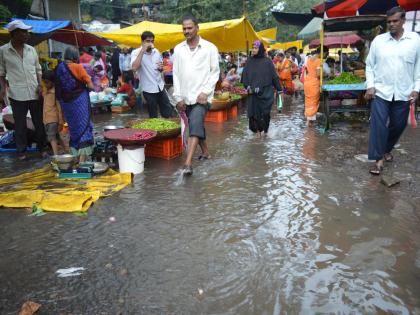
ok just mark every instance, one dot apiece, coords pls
pixel 376 169
pixel 187 170
pixel 388 157
pixel 203 157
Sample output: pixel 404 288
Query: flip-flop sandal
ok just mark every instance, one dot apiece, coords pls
pixel 187 170
pixel 376 170
pixel 203 157
pixel 388 157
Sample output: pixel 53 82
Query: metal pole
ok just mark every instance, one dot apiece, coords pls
pixel 321 42
pixel 414 21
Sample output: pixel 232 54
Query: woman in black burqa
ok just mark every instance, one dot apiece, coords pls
pixel 259 76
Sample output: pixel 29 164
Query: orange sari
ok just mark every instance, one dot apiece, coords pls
pixel 311 87
pixel 284 69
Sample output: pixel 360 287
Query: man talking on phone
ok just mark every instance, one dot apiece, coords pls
pixel 147 61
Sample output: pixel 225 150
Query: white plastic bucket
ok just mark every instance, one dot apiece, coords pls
pixel 131 159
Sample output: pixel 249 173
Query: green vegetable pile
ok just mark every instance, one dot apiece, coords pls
pixel 238 84
pixel 235 97
pixel 346 78
pixel 156 124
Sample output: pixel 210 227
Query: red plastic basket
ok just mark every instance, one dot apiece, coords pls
pixel 217 116
pixel 164 149
pixel 233 111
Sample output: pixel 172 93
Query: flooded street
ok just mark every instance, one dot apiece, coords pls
pixel 291 224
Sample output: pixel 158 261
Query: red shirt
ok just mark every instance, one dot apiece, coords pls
pixel 85 58
pixel 128 89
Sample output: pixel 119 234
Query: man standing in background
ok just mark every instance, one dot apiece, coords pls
pixel 125 65
pixel 19 63
pixel 147 61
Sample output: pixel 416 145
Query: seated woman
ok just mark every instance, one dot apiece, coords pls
pixel 167 68
pixel 71 88
pixel 126 88
pixel 100 79
pixel 232 76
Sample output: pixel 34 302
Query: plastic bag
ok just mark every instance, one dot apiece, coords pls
pixel 412 115
pixel 7 139
pixel 279 102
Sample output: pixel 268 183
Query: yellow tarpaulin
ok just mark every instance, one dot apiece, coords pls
pixel 270 33
pixel 4 36
pixel 229 35
pixel 43 188
pixel 284 46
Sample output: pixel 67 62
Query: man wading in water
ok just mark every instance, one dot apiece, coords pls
pixel 393 80
pixel 195 74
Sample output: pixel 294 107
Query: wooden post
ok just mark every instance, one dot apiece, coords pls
pixel 321 42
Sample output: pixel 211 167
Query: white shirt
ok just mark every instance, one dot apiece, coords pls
pixel 150 77
pixel 125 62
pixel 195 72
pixel 21 73
pixel 393 66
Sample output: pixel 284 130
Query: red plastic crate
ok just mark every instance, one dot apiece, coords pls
pixel 216 116
pixel 233 111
pixel 165 149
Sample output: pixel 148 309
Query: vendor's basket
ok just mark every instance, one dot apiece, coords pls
pixel 161 134
pixel 217 105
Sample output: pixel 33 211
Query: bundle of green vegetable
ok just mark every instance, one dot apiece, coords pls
pixel 157 124
pixel 235 97
pixel 346 78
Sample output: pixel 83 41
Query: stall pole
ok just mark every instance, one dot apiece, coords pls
pixel 321 42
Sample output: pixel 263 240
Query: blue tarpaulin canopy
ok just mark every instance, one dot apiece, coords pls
pixel 45 26
pixel 62 31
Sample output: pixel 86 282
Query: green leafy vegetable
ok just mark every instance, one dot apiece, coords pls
pixel 156 124
pixel 346 78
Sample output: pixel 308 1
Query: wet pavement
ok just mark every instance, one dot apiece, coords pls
pixel 291 224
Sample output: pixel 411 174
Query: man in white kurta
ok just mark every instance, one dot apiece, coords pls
pixel 195 74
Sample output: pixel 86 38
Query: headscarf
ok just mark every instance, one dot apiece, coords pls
pixel 261 49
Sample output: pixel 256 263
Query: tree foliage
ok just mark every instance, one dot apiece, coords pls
pixel 258 12
pixel 14 8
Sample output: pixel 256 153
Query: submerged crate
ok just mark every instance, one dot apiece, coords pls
pixel 233 111
pixel 217 116
pixel 120 109
pixel 165 149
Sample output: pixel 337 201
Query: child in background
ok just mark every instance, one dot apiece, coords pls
pixel 126 88
pixel 52 114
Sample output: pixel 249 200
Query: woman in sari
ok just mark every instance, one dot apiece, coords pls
pixel 284 69
pixel 311 85
pixel 259 76
pixel 72 84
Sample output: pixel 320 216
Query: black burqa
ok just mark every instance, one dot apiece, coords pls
pixel 260 76
pixel 115 66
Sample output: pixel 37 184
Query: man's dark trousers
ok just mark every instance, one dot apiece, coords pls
pixel 387 122
pixel 20 109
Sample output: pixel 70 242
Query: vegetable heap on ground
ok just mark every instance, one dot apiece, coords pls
pixel 157 124
pixel 346 78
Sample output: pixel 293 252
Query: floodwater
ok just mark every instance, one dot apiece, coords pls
pixel 291 224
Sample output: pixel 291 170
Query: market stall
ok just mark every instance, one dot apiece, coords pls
pixel 344 94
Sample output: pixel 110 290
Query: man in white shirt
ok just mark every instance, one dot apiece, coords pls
pixel 195 74
pixel 125 65
pixel 19 63
pixel 393 80
pixel 147 61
